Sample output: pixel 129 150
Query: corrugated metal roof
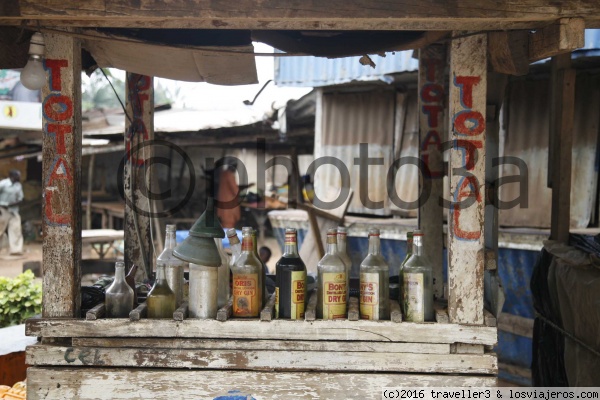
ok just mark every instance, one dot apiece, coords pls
pixel 317 71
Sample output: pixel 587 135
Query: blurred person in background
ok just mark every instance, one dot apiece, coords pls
pixel 11 194
pixel 229 191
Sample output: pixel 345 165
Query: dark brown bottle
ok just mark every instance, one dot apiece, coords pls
pixel 290 280
pixel 130 279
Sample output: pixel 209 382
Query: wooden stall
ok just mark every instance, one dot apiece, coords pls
pixel 95 357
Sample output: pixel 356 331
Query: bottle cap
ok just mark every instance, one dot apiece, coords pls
pixel 418 232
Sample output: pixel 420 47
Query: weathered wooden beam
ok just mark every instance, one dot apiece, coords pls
pixel 462 348
pixel 353 309
pixel 61 169
pixel 139 132
pixel 182 312
pixel 562 114
pixel 395 312
pixel 268 312
pixel 563 36
pixel 441 314
pixel 261 15
pixel 96 312
pixel 63 383
pixel 265 360
pixel 279 345
pixel 489 318
pixel 224 313
pixel 467 108
pixel 311 307
pixel 432 98
pixel 516 325
pixel 509 52
pixel 139 312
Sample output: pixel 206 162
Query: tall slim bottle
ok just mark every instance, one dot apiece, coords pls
pixel 418 283
pixel 290 277
pixel 223 291
pixel 374 282
pixel 342 252
pixel 234 245
pixel 332 289
pixel 161 299
pixel 264 267
pixel 118 298
pixel 247 280
pixel 174 267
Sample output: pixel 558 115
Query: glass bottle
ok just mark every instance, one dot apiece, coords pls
pixel 264 267
pixel 174 266
pixel 332 289
pixel 161 299
pixel 234 245
pixel 223 291
pixel 341 246
pixel 409 247
pixel 130 279
pixel 290 277
pixel 418 283
pixel 118 297
pixel 247 280
pixel 374 282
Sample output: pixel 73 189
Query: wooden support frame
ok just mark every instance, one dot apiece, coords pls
pixel 61 171
pixel 466 233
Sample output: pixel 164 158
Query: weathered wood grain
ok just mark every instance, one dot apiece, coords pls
pixel 255 14
pixel 353 309
pixel 466 232
pixel 96 312
pixel 395 312
pixel 462 348
pixel 117 383
pixel 441 313
pixel 224 313
pixel 182 312
pixel 311 307
pixel 280 345
pixel 563 36
pixel 139 312
pixel 363 330
pixel 257 360
pixel 489 318
pixel 509 52
pixel 268 312
pixel 61 185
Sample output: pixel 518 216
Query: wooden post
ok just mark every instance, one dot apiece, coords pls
pixel 61 165
pixel 562 110
pixel 139 129
pixel 432 60
pixel 467 108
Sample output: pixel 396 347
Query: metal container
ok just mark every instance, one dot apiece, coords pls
pixel 203 291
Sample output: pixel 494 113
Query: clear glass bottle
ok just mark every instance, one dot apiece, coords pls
pixel 342 252
pixel 264 267
pixel 161 299
pixel 332 289
pixel 223 291
pixel 234 245
pixel 290 280
pixel 418 283
pixel 374 282
pixel 119 296
pixel 247 280
pixel 174 266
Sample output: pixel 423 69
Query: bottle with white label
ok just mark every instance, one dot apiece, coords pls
pixel 332 289
pixel 374 282
pixel 247 280
pixel 417 287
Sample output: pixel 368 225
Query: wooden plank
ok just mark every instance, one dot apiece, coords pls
pixel 280 345
pixel 489 318
pixel 468 71
pixel 353 309
pixel 139 129
pixel 268 312
pixel 311 308
pixel 224 313
pixel 182 312
pixel 463 348
pixel 563 36
pixel 61 171
pixel 96 312
pixel 562 112
pixel 509 52
pixel 139 312
pixel 441 315
pixel 516 325
pixel 432 97
pixel 362 330
pixel 395 312
pixel 63 383
pixel 261 360
pixel 255 14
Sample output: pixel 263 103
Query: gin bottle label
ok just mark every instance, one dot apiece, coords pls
pixel 298 294
pixel 334 295
pixel 369 295
pixel 413 297
pixel 246 302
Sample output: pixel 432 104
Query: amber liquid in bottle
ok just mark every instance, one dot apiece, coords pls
pixel 290 280
pixel 161 299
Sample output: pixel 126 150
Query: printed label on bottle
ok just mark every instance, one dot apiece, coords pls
pixel 334 295
pixel 246 302
pixel 369 296
pixel 413 297
pixel 298 294
pixel 276 302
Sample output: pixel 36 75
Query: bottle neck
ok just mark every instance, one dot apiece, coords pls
pixel 417 248
pixel 341 243
pixel 374 245
pixel 247 244
pixel 331 248
pixel 160 273
pixel 120 273
pixel 291 246
pixel 170 240
pixel 409 245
